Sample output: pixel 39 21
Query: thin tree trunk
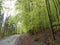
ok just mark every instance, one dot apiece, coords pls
pixel 59 2
pixel 56 10
pixel 49 15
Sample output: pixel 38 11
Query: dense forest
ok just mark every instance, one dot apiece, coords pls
pixel 31 16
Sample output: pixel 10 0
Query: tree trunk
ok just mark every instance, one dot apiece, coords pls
pixel 49 15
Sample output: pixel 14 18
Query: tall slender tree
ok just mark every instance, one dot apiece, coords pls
pixel 49 15
pixel 56 10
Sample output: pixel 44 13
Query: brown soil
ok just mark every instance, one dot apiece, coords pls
pixel 44 37
pixel 47 37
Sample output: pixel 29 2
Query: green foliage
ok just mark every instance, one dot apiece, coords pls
pixel 34 14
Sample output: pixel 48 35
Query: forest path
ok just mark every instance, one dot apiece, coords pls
pixel 9 40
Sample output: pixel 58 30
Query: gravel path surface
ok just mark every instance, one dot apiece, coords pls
pixel 9 40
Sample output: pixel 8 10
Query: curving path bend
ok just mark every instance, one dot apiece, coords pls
pixel 9 40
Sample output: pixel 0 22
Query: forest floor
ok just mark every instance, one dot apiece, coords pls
pixel 47 37
pixel 42 38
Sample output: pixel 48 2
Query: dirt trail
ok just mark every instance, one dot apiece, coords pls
pixel 9 40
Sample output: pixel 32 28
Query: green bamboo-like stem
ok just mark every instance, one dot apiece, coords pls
pixel 56 10
pixel 49 15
